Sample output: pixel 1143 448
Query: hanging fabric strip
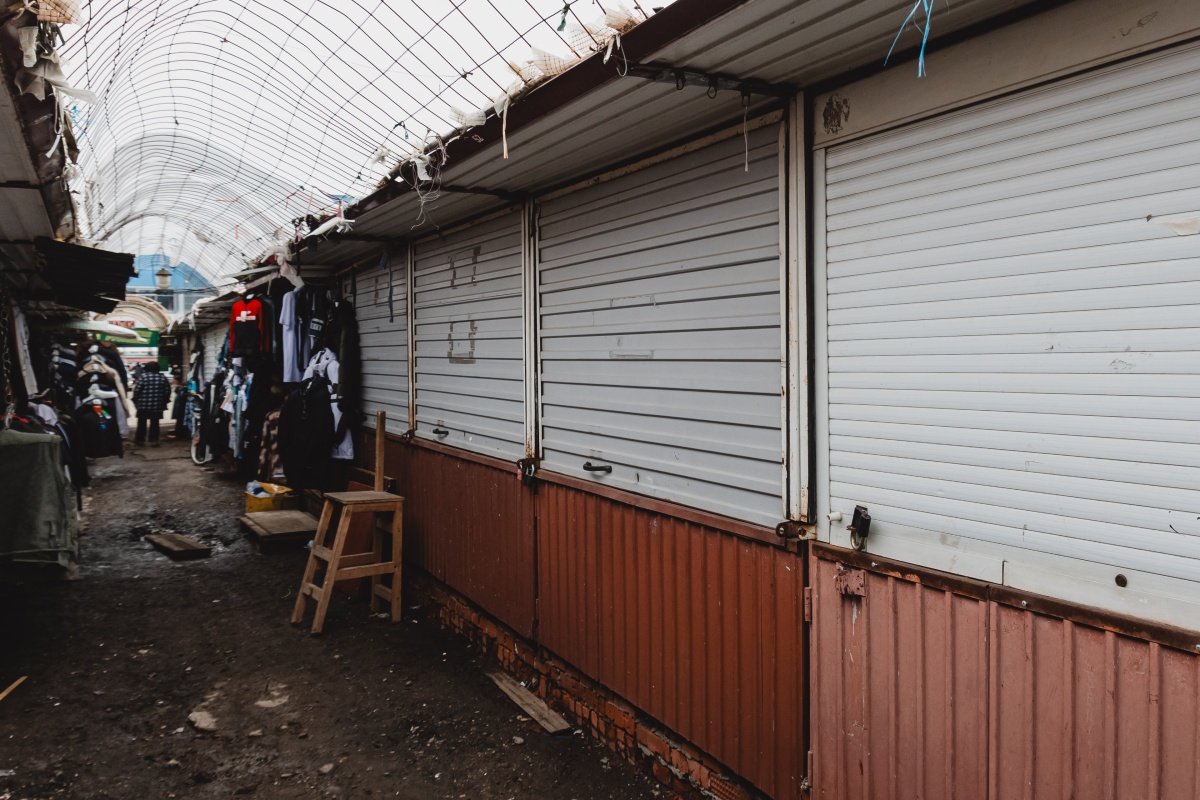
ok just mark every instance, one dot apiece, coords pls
pixel 504 127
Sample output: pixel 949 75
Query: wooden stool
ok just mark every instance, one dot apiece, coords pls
pixel 356 565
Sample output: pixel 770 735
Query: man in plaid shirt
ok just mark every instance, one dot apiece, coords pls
pixel 150 396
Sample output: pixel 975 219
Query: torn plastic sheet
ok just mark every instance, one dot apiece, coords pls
pixel 46 74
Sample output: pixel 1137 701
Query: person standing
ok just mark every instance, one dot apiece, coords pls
pixel 150 397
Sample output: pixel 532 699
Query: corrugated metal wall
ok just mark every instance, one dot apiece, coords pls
pixel 924 692
pixel 660 330
pixel 383 331
pixel 701 629
pixel 1013 336
pixel 467 311
pixel 469 525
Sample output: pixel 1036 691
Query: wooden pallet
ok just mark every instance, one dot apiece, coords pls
pixel 179 547
pixel 274 530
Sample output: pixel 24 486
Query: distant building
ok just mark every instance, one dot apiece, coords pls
pixel 186 286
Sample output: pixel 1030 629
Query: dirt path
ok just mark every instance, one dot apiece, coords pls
pixel 118 660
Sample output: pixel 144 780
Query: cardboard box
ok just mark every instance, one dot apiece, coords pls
pixel 278 498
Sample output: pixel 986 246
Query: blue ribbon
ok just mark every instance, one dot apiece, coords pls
pixel 927 5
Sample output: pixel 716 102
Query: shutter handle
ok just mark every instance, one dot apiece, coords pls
pixel 440 432
pixel 590 467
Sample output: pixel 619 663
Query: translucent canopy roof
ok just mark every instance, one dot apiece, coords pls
pixel 218 123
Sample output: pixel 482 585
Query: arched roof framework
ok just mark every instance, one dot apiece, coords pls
pixel 218 122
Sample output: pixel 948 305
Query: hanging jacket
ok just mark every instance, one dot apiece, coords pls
pixel 152 393
pixel 249 328
pixel 98 430
pixel 306 431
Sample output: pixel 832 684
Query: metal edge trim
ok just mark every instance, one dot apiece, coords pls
pixel 744 530
pixel 1125 625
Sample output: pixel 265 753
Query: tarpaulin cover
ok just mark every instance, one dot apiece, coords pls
pixel 37 509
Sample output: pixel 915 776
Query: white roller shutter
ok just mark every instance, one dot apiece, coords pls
pixel 660 330
pixel 1012 335
pixel 470 378
pixel 380 296
pixel 212 339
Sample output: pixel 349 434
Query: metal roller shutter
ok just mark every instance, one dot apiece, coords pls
pixel 380 297
pixel 467 311
pixel 1013 320
pixel 212 338
pixel 660 330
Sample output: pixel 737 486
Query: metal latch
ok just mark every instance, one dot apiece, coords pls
pixel 859 527
pixel 792 530
pixel 526 470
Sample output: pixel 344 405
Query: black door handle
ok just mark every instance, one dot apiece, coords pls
pixel 590 467
pixel 440 432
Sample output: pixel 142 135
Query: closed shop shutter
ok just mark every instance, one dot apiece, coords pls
pixel 1013 320
pixel 468 334
pixel 660 330
pixel 212 338
pixel 380 296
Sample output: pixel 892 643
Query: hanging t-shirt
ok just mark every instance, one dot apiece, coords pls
pixel 288 322
pixel 324 362
pixel 249 328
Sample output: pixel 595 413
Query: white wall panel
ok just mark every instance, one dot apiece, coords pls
pixel 380 297
pixel 1009 337
pixel 470 377
pixel 659 325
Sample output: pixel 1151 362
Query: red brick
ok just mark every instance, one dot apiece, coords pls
pixel 620 717
pixel 652 742
pixel 679 761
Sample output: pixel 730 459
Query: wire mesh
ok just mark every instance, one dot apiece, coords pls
pixel 220 123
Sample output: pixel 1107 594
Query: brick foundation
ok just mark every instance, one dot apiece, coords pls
pixel 686 771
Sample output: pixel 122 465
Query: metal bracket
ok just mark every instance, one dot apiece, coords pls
pixel 797 531
pixel 852 582
pixel 711 82
pixel 512 197
pixel 408 435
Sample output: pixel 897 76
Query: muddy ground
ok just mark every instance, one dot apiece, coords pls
pixel 118 660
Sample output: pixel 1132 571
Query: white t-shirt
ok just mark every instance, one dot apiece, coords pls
pixel 287 320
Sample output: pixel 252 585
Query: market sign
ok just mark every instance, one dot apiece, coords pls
pixel 150 336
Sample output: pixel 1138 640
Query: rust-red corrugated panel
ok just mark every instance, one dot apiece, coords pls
pixel 899 691
pixel 924 692
pixel 569 576
pixel 1080 712
pixel 470 525
pixel 699 628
